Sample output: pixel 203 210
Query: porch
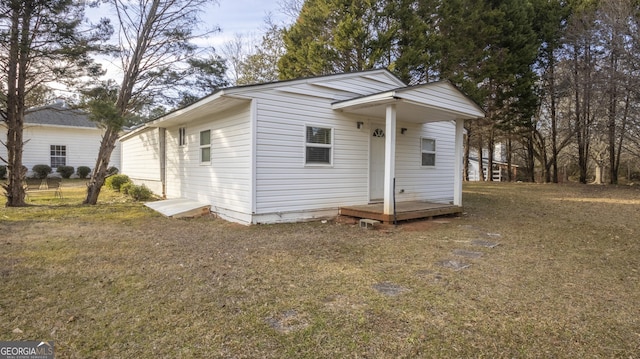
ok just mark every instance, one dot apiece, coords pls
pixel 404 211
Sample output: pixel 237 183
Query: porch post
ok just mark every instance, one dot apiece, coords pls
pixel 389 158
pixel 457 179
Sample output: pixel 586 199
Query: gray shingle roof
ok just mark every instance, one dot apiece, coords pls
pixel 58 115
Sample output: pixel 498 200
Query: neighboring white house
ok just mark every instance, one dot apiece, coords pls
pixel 56 135
pixel 500 165
pixel 300 149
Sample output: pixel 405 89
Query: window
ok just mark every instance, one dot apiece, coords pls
pixel 318 146
pixel 428 152
pixel 58 156
pixel 182 136
pixel 205 146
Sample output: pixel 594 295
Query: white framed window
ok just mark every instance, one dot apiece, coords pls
pixel 182 136
pixel 318 145
pixel 205 146
pixel 58 156
pixel 428 147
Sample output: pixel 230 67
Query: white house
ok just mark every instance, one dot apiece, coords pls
pixel 500 168
pixel 56 135
pixel 302 149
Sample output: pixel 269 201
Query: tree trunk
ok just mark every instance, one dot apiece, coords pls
pixel 509 159
pixel 467 150
pixel 491 145
pixel 16 81
pixel 480 159
pixel 599 170
pixel 554 121
pixel 102 164
pixel 611 120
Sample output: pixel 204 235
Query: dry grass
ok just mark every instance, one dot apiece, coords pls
pixel 119 281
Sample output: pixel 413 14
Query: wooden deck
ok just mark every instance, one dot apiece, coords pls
pixel 404 211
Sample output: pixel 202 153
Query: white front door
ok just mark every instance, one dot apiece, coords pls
pixel 376 163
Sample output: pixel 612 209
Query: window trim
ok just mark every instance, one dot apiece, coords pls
pixel 423 152
pixel 182 136
pixel 203 146
pixel 330 146
pixel 56 149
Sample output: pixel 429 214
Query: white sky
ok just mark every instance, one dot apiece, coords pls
pixel 244 17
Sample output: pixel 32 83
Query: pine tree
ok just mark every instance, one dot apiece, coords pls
pixel 43 43
pixel 329 36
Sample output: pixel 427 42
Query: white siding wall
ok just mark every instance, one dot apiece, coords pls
pixel 225 183
pixel 142 160
pixel 424 182
pixel 286 188
pixel 82 145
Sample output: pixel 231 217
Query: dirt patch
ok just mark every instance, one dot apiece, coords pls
pixel 456 265
pixel 389 289
pixel 467 254
pixel 288 321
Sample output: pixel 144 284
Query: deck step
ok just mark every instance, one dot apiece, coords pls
pixel 368 223
pixel 180 208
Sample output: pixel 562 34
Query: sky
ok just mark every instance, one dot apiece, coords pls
pixel 246 17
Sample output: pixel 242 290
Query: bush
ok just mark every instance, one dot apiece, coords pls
pixel 65 171
pixel 125 187
pixel 112 171
pixel 116 181
pixel 139 193
pixel 41 171
pixel 83 171
pixel 3 172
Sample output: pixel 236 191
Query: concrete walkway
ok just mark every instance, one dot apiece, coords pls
pixel 180 207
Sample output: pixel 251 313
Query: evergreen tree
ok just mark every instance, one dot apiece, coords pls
pixel 43 42
pixel 329 36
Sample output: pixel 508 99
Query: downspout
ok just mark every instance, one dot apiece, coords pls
pixel 162 134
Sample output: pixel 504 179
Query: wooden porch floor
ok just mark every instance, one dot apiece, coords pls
pixel 404 211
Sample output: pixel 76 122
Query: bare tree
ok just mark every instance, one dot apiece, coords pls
pixel 155 39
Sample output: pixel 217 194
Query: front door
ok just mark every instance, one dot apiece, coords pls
pixel 376 164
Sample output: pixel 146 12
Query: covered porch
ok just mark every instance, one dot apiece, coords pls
pixel 421 104
pixel 404 211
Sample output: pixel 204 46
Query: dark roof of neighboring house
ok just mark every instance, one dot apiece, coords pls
pixel 58 115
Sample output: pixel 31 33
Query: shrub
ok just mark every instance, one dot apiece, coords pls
pixel 3 172
pixel 41 171
pixel 65 171
pixel 140 193
pixel 116 181
pixel 112 171
pixel 83 171
pixel 126 187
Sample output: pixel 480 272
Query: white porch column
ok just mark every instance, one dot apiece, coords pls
pixel 457 179
pixel 389 158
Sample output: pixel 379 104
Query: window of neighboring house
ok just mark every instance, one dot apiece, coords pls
pixel 58 156
pixel 428 152
pixel 182 136
pixel 318 146
pixel 205 146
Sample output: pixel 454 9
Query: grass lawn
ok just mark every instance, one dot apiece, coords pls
pixel 117 280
